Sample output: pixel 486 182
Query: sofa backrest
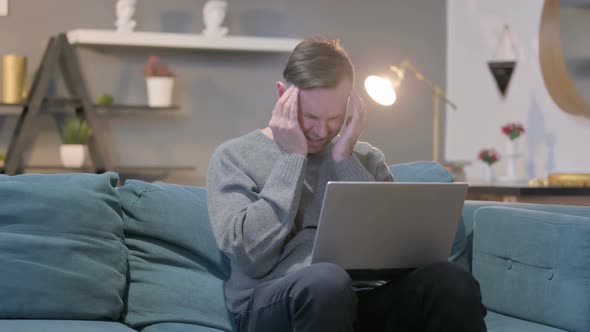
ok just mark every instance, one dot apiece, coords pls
pixel 62 254
pixel 176 271
pixel 420 171
pixel 464 253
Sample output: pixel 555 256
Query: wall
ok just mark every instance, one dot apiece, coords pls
pixel 554 141
pixel 224 95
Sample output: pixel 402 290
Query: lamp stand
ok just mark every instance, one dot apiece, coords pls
pixel 438 95
pixel 436 124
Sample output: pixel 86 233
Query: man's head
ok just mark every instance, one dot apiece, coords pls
pixel 323 72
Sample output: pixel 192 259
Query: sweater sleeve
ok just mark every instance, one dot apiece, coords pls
pixel 251 226
pixel 367 163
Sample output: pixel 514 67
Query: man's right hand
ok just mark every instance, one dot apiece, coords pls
pixel 284 124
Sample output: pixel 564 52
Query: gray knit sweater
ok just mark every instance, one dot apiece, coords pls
pixel 264 205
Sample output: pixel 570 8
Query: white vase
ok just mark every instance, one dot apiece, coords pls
pixel 159 90
pixel 488 175
pixel 511 156
pixel 511 148
pixel 72 155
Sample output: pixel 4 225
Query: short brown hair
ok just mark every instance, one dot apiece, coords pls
pixel 318 62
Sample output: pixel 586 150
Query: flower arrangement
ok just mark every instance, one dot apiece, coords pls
pixel 513 130
pixel 489 156
pixel 154 68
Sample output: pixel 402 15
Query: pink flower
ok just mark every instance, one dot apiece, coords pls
pixel 489 156
pixel 153 67
pixel 513 130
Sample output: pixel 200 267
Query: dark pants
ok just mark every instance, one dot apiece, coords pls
pixel 439 297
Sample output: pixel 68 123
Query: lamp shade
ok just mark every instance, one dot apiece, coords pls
pixel 380 90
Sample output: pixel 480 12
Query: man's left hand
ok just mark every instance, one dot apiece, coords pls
pixel 355 124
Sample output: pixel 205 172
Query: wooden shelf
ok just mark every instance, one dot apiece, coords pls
pixel 180 41
pixel 10 109
pixel 172 174
pixel 61 105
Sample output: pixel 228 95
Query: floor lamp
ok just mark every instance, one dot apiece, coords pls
pixel 382 90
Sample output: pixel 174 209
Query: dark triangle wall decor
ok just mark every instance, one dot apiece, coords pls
pixel 502 68
pixel 502 73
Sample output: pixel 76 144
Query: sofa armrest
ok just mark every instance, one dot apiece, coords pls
pixel 534 265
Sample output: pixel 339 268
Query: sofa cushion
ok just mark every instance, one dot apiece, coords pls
pixel 41 325
pixel 534 265
pixel 420 171
pixel 500 323
pixel 176 268
pixel 178 327
pixel 62 254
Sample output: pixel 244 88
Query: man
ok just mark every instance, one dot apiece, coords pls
pixel 265 194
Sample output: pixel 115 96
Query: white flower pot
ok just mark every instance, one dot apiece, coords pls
pixel 511 156
pixel 159 90
pixel 488 175
pixel 72 155
pixel 511 148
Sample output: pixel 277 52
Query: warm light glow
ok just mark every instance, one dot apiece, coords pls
pixel 380 90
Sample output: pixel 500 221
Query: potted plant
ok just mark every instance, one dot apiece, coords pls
pixel 2 159
pixel 105 99
pixel 160 82
pixel 77 133
pixel 489 157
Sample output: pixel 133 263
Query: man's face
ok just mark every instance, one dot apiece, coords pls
pixel 322 113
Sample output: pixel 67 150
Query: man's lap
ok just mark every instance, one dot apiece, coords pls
pixel 398 301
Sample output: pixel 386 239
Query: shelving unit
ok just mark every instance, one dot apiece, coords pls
pixel 60 54
pixel 85 37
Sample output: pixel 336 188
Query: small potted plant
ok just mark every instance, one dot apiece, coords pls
pixel 160 82
pixel 77 133
pixel 489 157
pixel 105 99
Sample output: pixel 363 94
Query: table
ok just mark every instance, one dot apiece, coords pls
pixel 523 193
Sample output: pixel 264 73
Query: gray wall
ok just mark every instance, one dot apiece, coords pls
pixel 223 95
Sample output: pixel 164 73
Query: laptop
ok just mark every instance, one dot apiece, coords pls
pixel 382 228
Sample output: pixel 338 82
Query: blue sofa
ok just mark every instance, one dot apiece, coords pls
pixel 78 253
